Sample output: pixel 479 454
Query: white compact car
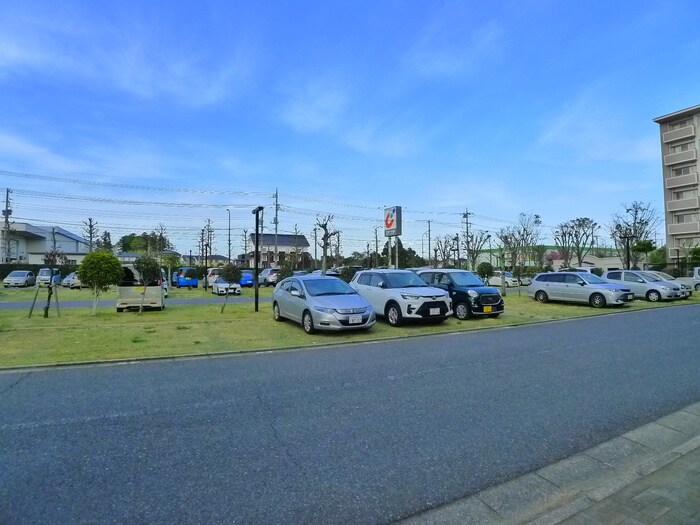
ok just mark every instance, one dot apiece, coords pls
pixel 400 295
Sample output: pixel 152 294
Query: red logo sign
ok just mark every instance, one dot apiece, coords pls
pixel 389 219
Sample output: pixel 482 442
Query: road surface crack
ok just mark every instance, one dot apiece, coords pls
pixel 21 378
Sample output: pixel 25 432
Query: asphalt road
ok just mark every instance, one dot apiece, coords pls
pixel 365 433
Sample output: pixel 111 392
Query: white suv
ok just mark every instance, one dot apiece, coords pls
pixel 400 295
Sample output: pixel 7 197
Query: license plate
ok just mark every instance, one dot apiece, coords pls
pixel 138 288
pixel 488 308
pixel 355 319
pixel 434 311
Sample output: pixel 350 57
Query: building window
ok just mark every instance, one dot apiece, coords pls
pixel 686 242
pixel 684 218
pixel 678 148
pixel 685 194
pixel 677 125
pixel 683 170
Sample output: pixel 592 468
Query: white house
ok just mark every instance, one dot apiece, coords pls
pixel 27 243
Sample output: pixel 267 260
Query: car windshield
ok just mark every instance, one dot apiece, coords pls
pixel 591 278
pixel 404 280
pixel 44 271
pixel 508 274
pixel 650 277
pixel 17 273
pixel 317 287
pixel 665 276
pixel 466 279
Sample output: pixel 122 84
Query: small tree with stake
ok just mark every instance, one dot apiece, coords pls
pixel 232 274
pixel 149 269
pixel 99 270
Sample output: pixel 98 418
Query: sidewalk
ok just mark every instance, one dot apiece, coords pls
pixel 648 475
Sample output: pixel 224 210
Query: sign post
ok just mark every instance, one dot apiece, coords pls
pixel 392 228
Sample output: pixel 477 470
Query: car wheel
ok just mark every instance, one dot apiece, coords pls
pixel 653 296
pixel 462 311
pixel 697 287
pixel 120 310
pixel 597 300
pixel 307 323
pixel 541 296
pixel 393 314
pixel 276 312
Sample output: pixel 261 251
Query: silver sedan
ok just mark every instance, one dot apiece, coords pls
pixel 321 303
pixel 221 286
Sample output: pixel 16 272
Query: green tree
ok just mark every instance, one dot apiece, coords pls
pixel 149 269
pixel 232 274
pixel 485 270
pixel 657 258
pixel 99 270
pixel 644 247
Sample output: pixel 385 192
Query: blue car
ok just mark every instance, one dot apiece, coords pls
pixel 246 278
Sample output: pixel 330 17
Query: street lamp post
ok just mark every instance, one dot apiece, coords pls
pixel 257 212
pixel 229 235
pixel 488 238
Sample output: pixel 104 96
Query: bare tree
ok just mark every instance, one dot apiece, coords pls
pixel 508 243
pixel 564 240
pixel 445 248
pixel 528 232
pixel 473 245
pixel 328 234
pixel 584 231
pixel 638 223
pixel 90 230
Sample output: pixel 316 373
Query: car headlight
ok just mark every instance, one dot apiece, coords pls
pixel 473 294
pixel 664 287
pixel 324 310
pixel 411 297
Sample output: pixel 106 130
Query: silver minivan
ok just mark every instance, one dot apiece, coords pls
pixel 578 288
pixel 644 285
pixel 131 289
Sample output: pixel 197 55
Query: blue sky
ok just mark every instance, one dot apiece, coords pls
pixel 539 107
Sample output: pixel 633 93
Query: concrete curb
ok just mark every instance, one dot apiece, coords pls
pixel 558 491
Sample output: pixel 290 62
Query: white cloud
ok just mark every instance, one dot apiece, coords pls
pixel 315 106
pixel 589 130
pixel 130 59
pixel 22 152
pixel 452 43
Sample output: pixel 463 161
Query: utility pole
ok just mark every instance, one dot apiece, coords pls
pixel 277 208
pixel 6 228
pixel 466 241
pixel 245 246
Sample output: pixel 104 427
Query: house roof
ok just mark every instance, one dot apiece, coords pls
pixel 677 114
pixel 283 240
pixel 30 231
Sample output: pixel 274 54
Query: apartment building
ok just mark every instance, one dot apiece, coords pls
pixel 679 148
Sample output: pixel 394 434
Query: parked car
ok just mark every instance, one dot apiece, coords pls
pixel 221 286
pixel 686 290
pixel 400 295
pixel 644 285
pixel 19 278
pixel 247 278
pixel 48 275
pixel 470 296
pixel 268 276
pixel 72 280
pixel 329 272
pixel 212 274
pixel 131 289
pixel 187 282
pixel 524 280
pixel 497 279
pixel 321 303
pixel 578 287
pixel 164 281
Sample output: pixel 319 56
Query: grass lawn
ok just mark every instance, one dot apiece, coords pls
pixel 202 329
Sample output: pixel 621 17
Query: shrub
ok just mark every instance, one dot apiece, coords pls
pixel 231 273
pixel 347 273
pixel 484 270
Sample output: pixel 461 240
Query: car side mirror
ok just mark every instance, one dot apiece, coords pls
pixel 582 283
pixel 381 284
pixel 295 293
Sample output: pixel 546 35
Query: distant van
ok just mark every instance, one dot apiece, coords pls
pixel 48 275
pixel 131 288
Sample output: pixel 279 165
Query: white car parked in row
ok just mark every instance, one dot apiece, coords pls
pixel 400 295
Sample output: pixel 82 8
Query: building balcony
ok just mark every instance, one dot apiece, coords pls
pixel 677 134
pixel 686 227
pixel 683 180
pixel 683 204
pixel 674 253
pixel 683 156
